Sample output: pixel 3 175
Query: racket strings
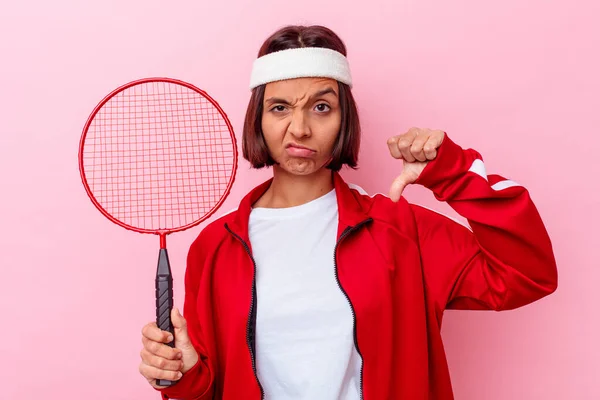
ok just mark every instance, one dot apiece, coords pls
pixel 158 156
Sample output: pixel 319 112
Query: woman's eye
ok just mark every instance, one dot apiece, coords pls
pixel 278 108
pixel 322 107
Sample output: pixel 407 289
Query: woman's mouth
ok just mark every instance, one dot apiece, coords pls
pixel 296 150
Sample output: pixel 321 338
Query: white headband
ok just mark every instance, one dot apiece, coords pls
pixel 298 63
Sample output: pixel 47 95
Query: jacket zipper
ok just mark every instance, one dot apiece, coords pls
pixel 252 312
pixel 344 234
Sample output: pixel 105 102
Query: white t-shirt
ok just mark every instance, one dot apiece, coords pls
pixel 304 328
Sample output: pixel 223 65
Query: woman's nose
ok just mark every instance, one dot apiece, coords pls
pixel 299 125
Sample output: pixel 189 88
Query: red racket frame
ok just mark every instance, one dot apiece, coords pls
pixel 161 232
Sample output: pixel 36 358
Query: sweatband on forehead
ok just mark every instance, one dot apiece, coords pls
pixel 305 62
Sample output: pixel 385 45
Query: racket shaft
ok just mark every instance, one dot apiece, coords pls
pixel 164 300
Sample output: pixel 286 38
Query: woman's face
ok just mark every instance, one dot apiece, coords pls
pixel 300 123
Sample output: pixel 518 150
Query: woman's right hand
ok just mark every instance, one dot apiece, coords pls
pixel 160 361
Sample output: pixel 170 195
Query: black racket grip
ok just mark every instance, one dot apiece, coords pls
pixel 164 301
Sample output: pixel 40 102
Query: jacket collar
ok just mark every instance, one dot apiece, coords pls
pixel 350 208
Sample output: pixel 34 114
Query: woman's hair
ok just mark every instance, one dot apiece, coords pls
pixel 345 150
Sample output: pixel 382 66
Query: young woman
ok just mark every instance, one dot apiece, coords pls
pixel 313 289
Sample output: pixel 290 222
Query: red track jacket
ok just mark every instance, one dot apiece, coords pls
pixel 399 265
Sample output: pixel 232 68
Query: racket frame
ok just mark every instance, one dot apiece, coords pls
pixel 161 232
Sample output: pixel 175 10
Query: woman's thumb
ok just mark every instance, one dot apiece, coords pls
pixel 398 186
pixel 182 340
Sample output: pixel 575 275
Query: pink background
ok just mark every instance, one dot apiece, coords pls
pixel 517 80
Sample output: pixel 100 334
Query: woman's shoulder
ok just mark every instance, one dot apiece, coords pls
pixel 215 231
pixel 379 205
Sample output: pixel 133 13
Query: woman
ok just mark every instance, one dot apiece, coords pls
pixel 313 289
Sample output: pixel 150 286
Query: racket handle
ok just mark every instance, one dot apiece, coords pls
pixel 164 301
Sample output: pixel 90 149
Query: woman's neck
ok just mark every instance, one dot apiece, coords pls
pixel 289 190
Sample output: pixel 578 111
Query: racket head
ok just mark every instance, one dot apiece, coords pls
pixel 154 140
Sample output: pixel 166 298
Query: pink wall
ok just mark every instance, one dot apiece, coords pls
pixel 517 80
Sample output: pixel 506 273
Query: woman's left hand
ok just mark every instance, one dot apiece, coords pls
pixel 415 148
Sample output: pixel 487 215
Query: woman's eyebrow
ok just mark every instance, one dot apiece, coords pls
pixel 272 100
pixel 324 92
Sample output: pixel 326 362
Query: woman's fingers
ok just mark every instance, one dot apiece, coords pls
pixel 161 349
pixel 160 362
pixel 152 373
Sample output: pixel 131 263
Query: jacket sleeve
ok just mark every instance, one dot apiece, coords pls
pixel 198 382
pixel 505 260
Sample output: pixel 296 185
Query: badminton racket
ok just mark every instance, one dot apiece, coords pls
pixel 158 156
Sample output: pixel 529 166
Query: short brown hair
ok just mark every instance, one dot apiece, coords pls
pixel 345 150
